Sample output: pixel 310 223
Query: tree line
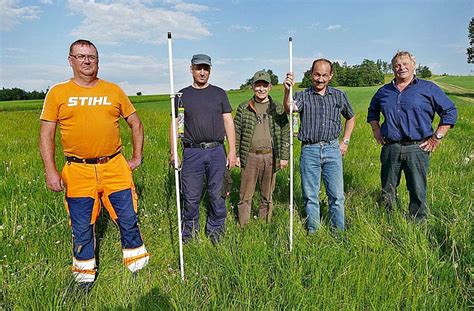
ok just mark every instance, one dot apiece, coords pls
pixel 19 94
pixel 368 73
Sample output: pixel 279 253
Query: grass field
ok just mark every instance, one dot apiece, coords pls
pixel 460 81
pixel 382 262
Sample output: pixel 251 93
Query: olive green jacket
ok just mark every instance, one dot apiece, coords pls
pixel 245 121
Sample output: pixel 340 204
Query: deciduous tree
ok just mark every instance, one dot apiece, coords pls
pixel 470 49
pixel 423 71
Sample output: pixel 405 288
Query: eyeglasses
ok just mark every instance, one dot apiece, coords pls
pixel 82 57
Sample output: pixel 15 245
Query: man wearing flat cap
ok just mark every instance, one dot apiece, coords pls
pixel 207 121
pixel 262 135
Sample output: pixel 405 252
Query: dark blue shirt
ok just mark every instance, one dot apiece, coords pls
pixel 321 114
pixel 409 114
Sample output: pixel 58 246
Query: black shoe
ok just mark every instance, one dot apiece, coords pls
pixel 215 238
pixel 135 275
pixel 187 239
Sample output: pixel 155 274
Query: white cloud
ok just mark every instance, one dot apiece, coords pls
pixel 144 74
pixel 12 55
pixel 242 27
pixel 12 51
pixel 191 7
pixel 133 21
pixel 33 76
pixel 333 27
pixel 433 66
pixel 314 25
pixel 46 1
pixel 226 61
pixel 12 14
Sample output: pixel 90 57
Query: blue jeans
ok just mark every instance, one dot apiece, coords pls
pixel 201 165
pixel 322 158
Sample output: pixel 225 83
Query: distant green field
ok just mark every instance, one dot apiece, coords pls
pixel 462 81
pixel 18 105
pixel 381 262
pixel 144 101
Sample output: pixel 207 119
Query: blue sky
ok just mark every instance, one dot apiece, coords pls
pixel 241 37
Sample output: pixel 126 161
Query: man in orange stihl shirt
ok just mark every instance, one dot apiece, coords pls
pixel 88 110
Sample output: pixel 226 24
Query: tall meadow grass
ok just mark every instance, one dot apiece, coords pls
pixel 381 262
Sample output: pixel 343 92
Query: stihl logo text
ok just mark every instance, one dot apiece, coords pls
pixel 88 101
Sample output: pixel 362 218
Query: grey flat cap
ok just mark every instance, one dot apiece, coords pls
pixel 201 59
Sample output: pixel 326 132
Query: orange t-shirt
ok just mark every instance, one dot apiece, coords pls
pixel 88 117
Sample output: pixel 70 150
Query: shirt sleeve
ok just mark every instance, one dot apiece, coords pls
pixel 226 108
pixel 444 106
pixel 347 111
pixel 373 113
pixel 298 100
pixel 50 110
pixel 126 106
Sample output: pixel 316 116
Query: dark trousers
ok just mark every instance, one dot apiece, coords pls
pixel 414 162
pixel 200 166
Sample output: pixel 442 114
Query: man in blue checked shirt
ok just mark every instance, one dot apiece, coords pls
pixel 320 107
pixel 408 105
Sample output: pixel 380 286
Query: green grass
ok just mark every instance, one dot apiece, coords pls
pixel 21 105
pixel 380 263
pixel 462 81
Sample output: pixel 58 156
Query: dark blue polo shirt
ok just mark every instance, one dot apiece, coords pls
pixel 409 114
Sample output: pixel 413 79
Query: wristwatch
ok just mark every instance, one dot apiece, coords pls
pixel 346 142
pixel 438 136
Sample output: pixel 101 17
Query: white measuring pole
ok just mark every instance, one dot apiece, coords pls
pixel 290 44
pixel 175 153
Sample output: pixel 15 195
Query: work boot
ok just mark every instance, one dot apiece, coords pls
pixel 215 238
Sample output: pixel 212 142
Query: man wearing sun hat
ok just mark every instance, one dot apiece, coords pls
pixel 262 135
pixel 207 121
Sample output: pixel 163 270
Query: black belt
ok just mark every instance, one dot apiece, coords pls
pixel 322 142
pixel 404 142
pixel 202 145
pixel 99 160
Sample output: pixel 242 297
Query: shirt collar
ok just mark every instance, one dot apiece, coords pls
pixel 329 90
pixel 414 81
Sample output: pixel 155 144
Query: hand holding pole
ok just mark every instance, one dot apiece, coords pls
pixel 175 155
